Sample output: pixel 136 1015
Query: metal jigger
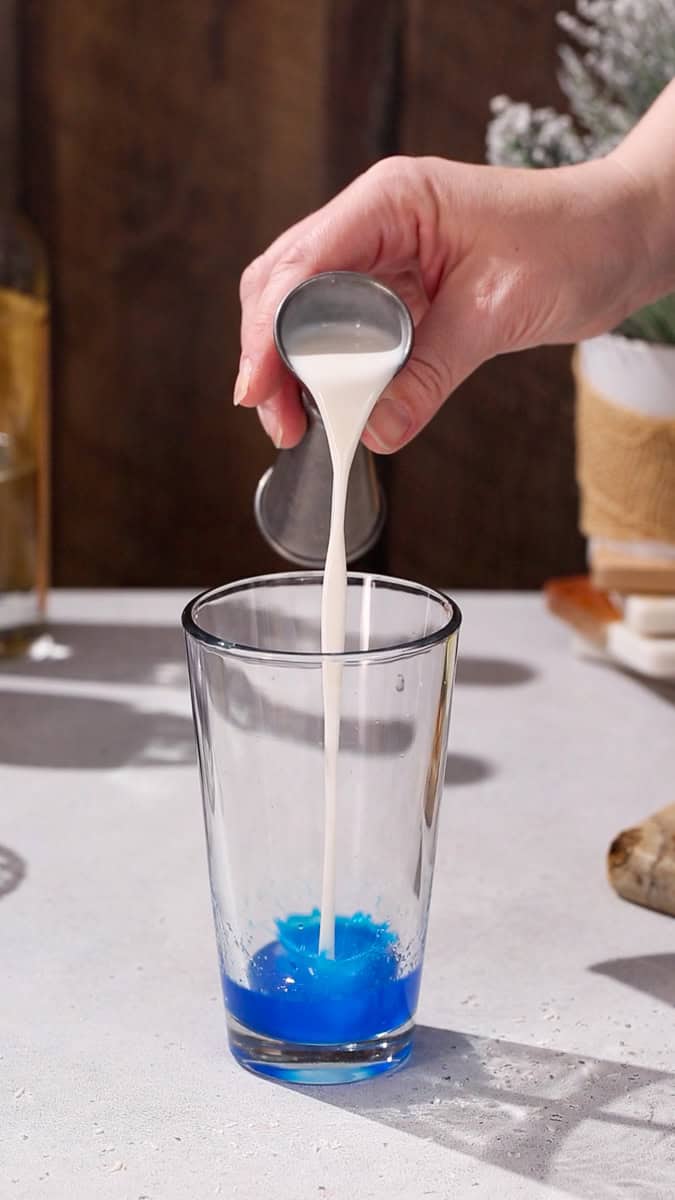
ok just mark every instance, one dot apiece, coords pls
pixel 292 500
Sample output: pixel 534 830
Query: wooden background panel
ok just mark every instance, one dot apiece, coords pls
pixel 160 155
pixel 8 104
pixel 486 495
pixel 161 150
pixel 362 80
pixel 457 57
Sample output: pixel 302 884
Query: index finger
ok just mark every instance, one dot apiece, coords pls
pixel 367 226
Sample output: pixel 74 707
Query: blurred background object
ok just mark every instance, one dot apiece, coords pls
pixel 24 452
pixel 162 147
pixel 615 61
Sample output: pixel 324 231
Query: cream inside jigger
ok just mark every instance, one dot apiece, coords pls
pixel 345 365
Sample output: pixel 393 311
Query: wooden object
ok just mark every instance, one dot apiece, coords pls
pixel 620 573
pixel 599 621
pixel 485 496
pixel 162 148
pixel 641 862
pixel 162 152
pixel 624 466
pixel 583 606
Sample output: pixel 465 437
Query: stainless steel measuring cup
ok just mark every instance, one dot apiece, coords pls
pixel 292 500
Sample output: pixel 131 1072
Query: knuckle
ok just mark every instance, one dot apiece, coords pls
pixel 392 175
pixel 431 380
pixel 393 167
pixel 250 277
pixel 298 255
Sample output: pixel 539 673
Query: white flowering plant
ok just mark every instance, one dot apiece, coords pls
pixel 622 56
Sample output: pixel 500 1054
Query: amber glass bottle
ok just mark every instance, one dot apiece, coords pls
pixel 24 426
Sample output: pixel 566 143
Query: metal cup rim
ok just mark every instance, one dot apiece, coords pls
pixel 407 321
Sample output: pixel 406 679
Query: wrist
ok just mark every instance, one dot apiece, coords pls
pixel 646 161
pixel 646 218
pixel 627 238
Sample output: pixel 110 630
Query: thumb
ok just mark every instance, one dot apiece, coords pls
pixel 442 357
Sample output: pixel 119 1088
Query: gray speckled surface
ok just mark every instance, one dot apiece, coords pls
pixel 545 1061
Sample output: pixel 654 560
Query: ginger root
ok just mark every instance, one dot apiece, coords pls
pixel 641 862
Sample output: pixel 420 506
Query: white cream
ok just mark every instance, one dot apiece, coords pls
pixel 346 368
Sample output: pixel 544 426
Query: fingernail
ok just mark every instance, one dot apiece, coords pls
pixel 241 386
pixel 390 422
pixel 271 424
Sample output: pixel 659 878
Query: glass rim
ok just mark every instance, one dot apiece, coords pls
pixel 276 579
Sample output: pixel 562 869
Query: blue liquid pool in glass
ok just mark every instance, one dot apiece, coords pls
pixel 297 995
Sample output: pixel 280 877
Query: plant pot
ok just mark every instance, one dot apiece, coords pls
pixel 626 461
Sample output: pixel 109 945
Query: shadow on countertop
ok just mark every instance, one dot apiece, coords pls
pixel 543 1114
pixel 155 654
pixel 12 870
pixel 461 770
pixel 144 654
pixel 42 729
pixel 39 729
pixel 475 671
pixel 47 729
pixel 653 974
pixel 663 689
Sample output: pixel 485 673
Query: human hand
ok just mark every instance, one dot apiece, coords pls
pixel 489 260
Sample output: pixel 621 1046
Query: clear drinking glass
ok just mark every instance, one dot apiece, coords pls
pixel 256 681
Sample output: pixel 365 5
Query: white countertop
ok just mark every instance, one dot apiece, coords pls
pixel 545 1061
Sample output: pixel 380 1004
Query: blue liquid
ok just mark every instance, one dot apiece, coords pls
pixel 298 995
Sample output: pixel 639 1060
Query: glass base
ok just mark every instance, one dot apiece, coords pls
pixel 291 1062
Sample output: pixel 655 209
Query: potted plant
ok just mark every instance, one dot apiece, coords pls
pixel 619 56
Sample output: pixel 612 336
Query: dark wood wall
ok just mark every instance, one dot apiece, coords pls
pixel 162 146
